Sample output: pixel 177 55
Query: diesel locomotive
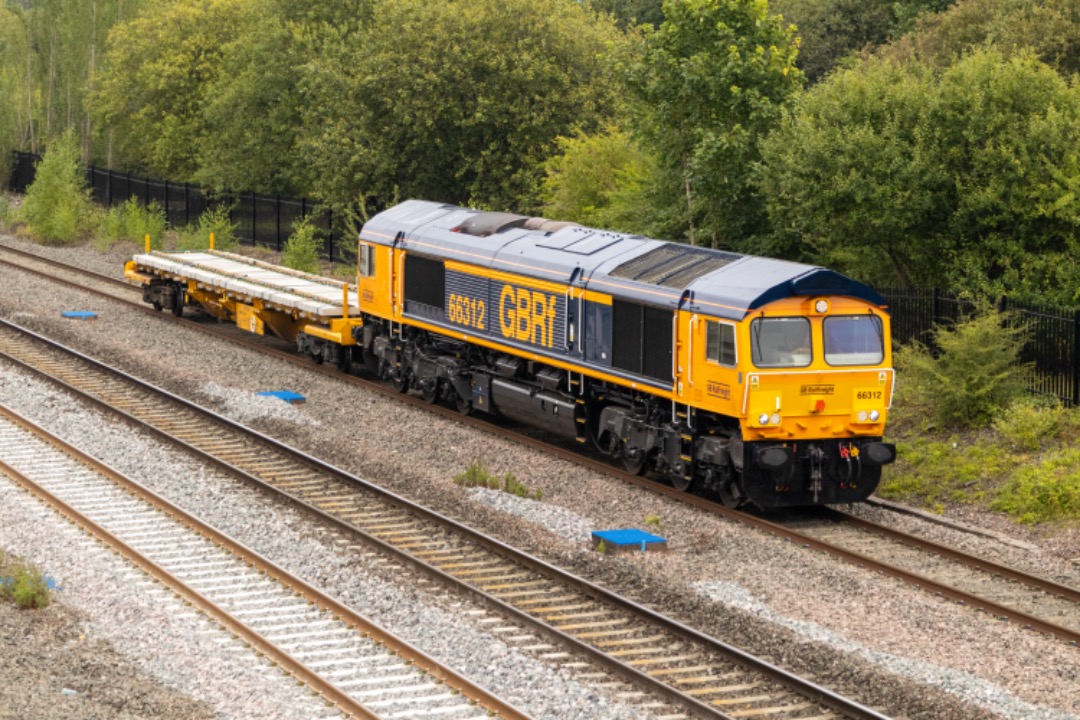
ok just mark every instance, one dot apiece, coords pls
pixel 756 380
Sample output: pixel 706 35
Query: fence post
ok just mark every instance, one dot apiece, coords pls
pixel 937 308
pixel 166 202
pixel 187 205
pixel 1076 360
pixel 277 216
pixel 254 219
pixel 108 189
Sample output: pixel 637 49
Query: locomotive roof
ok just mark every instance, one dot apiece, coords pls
pixel 629 267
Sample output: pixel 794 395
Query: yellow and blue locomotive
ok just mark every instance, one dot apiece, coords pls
pixel 756 380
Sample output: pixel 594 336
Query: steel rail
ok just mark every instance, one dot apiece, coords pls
pixel 321 685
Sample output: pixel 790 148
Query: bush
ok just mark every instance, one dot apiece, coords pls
pixel 133 221
pixel 1049 490
pixel 976 373
pixel 57 207
pixel 217 221
pixel 301 250
pixel 24 584
pixel 1027 424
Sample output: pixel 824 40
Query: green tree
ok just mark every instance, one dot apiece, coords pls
pixel 631 12
pixel 466 110
pixel 600 181
pixel 57 208
pixel 1050 28
pixel 714 79
pixel 967 178
pixel 830 30
pixel 152 90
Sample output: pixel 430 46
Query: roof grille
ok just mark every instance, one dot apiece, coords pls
pixel 673 265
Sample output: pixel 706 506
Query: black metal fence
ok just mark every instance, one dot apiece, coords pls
pixel 264 220
pixel 1053 334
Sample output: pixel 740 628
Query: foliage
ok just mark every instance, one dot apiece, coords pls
pixel 57 207
pixel 967 179
pixel 1050 28
pixel 131 220
pixel 301 250
pixel 712 80
pixel 653 521
pixel 933 469
pixel 830 30
pixel 974 374
pixel 1046 491
pixel 466 111
pixel 159 68
pixel 216 220
pixel 23 583
pixel 599 181
pixel 1028 424
pixel 631 12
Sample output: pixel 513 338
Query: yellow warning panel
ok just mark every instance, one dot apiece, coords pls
pixel 248 319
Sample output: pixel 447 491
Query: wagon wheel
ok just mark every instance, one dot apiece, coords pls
pixel 463 406
pixel 178 304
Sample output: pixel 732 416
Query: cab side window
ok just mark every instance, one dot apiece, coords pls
pixel 367 261
pixel 720 343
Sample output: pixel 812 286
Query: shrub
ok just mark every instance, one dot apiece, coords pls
pixel 215 220
pixel 133 221
pixel 301 251
pixel 57 207
pixel 976 373
pixel 1049 490
pixel 1027 424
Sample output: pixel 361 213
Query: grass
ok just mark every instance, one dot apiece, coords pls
pixel 22 583
pixel 478 475
pixel 1024 464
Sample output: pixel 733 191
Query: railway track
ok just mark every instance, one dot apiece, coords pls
pixel 356 666
pixel 694 675
pixel 1004 592
pixel 1034 602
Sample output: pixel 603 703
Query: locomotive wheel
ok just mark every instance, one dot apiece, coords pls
pixel 430 391
pixel 463 406
pixel 634 466
pixel 400 382
pixel 730 495
pixel 681 483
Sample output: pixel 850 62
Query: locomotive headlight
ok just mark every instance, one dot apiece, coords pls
pixel 821 306
pixel 763 419
pixel 862 416
pixel 874 415
pixel 775 419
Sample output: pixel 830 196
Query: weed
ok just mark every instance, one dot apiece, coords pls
pixel 653 521
pixel 24 584
pixel 478 475
pixel 601 547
